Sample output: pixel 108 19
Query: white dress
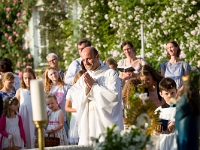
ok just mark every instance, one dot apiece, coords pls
pixel 73 132
pixel 53 122
pixel 25 111
pixel 12 127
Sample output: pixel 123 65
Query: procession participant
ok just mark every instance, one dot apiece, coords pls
pixel 167 136
pixel 99 94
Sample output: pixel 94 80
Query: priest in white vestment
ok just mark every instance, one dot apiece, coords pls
pixel 98 94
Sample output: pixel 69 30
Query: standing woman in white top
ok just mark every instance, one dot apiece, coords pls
pixel 55 85
pixel 130 60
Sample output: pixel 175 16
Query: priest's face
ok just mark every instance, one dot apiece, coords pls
pixel 90 61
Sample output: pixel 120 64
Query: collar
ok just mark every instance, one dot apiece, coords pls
pixel 165 105
pixel 99 70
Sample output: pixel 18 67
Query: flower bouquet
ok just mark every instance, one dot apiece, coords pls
pixel 113 139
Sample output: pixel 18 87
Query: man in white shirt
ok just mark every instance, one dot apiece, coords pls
pixel 75 65
pixel 98 92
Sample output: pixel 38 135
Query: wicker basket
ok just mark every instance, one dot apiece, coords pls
pixel 11 146
pixel 51 141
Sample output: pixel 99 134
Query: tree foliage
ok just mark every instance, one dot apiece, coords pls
pixel 107 23
pixel 14 16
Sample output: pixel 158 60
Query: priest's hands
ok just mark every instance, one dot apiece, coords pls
pixel 89 81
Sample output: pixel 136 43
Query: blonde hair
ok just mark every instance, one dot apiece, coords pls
pixel 130 85
pixel 78 75
pixel 6 76
pixel 48 83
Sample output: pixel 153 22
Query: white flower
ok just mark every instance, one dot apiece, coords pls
pixel 106 16
pixel 80 26
pixel 88 36
pixel 182 55
pixel 142 96
pixel 193 2
pixel 198 63
pixel 130 17
pixel 193 32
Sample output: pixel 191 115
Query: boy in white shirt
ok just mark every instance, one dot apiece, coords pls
pixel 167 140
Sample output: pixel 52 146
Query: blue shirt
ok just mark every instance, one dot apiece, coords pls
pixel 175 71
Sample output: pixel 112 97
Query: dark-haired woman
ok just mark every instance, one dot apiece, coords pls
pixel 150 78
pixel 130 60
pixel 174 68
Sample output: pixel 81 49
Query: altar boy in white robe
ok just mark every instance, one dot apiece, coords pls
pixel 98 93
pixel 167 138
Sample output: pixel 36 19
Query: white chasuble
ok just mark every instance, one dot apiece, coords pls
pixel 101 107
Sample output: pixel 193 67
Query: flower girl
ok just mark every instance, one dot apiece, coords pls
pixel 11 126
pixel 55 85
pixel 56 119
pixel 25 110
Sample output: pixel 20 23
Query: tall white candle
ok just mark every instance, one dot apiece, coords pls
pixel 38 100
pixel 142 41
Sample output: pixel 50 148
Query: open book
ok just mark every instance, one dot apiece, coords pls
pixel 126 68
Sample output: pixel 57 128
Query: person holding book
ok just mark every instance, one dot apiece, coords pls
pixel 130 60
pixel 167 136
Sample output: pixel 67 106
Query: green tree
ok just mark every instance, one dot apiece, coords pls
pixel 14 16
pixel 109 22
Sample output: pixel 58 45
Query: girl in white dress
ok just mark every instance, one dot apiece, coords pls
pixel 71 106
pixel 25 109
pixel 55 85
pixel 56 120
pixel 11 126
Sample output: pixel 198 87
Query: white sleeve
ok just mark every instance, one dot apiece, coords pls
pixel 74 67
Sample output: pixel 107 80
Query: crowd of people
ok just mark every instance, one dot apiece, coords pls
pixel 95 92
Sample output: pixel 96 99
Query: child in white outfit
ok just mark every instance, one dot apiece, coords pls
pixel 71 106
pixel 11 126
pixel 167 138
pixel 56 120
pixel 25 110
